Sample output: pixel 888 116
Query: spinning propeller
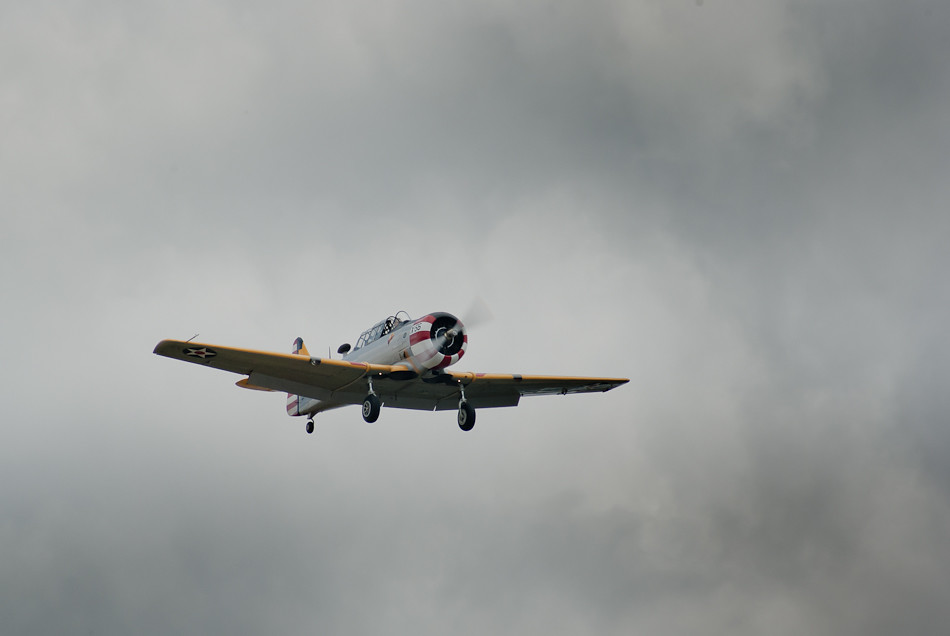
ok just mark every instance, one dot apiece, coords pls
pixel 448 334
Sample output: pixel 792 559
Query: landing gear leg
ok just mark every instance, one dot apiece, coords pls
pixel 371 408
pixel 466 411
pixel 466 416
pixel 371 404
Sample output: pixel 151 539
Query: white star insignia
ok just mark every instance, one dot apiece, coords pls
pixel 200 352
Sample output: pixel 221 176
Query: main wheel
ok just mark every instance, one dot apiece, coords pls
pixel 466 416
pixel 309 426
pixel 371 408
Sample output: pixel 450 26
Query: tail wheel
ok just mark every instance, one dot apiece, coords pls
pixel 466 416
pixel 371 408
pixel 309 426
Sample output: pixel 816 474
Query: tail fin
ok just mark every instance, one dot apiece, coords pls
pixel 293 401
pixel 300 348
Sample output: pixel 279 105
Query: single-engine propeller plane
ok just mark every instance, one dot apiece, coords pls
pixel 398 362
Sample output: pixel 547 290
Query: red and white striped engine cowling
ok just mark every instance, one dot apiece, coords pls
pixel 426 334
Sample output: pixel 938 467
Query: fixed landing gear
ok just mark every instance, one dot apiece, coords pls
pixel 371 404
pixel 466 411
pixel 466 416
pixel 309 426
pixel 371 408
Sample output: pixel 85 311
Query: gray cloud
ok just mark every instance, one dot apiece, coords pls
pixel 737 205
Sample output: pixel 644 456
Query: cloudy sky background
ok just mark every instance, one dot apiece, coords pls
pixel 740 205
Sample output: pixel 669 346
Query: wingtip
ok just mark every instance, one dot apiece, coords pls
pixel 161 345
pixel 167 345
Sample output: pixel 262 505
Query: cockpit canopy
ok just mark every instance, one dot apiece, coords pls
pixel 382 328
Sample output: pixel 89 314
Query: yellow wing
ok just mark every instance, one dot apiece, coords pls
pixel 505 389
pixel 319 378
pixel 341 382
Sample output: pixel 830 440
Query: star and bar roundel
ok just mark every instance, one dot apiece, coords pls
pixel 200 352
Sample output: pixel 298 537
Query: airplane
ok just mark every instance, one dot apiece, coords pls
pixel 398 362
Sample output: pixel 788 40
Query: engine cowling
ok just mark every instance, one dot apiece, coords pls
pixel 437 341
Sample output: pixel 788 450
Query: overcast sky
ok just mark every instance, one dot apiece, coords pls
pixel 741 205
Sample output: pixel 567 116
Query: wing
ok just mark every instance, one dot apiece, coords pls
pixel 504 389
pixel 319 378
pixel 338 382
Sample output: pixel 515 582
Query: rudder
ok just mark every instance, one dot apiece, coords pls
pixel 293 401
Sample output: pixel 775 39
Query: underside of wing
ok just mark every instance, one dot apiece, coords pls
pixel 491 384
pixel 319 378
pixel 337 382
pixel 484 390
